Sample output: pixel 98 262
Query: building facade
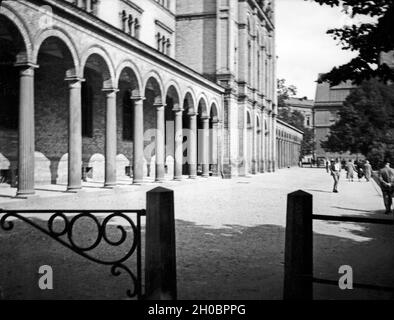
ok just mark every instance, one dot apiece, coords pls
pixel 305 107
pixel 328 103
pixel 135 90
pixel 289 140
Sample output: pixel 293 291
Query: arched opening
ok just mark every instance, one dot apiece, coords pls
pixel 213 140
pixel 203 139
pixel 154 130
pixel 52 111
pixel 98 122
pixel 128 94
pixel 172 106
pixel 12 46
pixel 189 137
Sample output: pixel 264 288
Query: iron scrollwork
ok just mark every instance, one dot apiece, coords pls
pixel 67 232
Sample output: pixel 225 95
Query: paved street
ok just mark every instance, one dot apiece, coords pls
pixel 230 237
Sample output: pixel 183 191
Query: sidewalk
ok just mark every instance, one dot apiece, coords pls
pixel 230 237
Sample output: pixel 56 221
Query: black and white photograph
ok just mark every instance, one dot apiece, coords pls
pixel 219 151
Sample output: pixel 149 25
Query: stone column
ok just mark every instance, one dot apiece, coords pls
pixel 205 147
pixel 214 147
pixel 110 138
pixel 269 144
pixel 75 135
pixel 160 142
pixel 26 131
pixel 254 146
pixel 178 145
pixel 192 146
pixel 138 140
pixel 263 129
pixel 274 145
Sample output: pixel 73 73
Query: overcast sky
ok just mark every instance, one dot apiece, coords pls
pixel 303 47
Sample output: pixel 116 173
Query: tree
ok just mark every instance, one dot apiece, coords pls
pixel 368 39
pixel 285 92
pixel 366 123
pixel 294 118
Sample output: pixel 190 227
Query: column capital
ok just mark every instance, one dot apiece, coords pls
pixel 159 106
pixel 110 91
pixel 74 79
pixel 204 118
pixel 137 98
pixel 178 110
pixel 192 114
pixel 26 65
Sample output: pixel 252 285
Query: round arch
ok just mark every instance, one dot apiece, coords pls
pixel 58 33
pixel 202 107
pixel 130 65
pixel 109 74
pixel 173 93
pixel 214 113
pixel 175 85
pixel 190 99
pixel 154 82
pixel 12 16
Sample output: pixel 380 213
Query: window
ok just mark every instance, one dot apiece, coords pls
pixel 124 19
pixel 128 106
pixel 129 24
pixel 136 29
pixel 87 110
pixel 164 3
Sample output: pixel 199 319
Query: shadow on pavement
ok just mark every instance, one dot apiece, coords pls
pixel 233 262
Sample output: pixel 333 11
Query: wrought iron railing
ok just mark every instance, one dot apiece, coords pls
pixel 66 237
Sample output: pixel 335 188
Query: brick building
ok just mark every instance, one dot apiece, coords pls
pixel 329 101
pixel 136 90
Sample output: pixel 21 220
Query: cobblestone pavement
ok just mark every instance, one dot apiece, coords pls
pixel 230 237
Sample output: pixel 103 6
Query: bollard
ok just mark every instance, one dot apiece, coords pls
pixel 160 261
pixel 298 247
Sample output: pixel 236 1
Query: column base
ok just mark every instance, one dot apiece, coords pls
pixel 74 189
pixel 160 180
pixel 205 175
pixel 26 195
pixel 110 185
pixel 138 182
pixel 193 177
pixel 180 178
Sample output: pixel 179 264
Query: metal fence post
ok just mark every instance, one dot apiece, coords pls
pixel 160 261
pixel 298 247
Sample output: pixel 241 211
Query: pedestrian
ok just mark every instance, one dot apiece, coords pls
pixel 327 166
pixel 350 170
pixel 335 169
pixel 367 170
pixel 386 178
pixel 360 171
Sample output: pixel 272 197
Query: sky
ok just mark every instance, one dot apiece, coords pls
pixel 303 47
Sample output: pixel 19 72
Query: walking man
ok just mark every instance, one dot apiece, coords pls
pixel 335 169
pixel 350 168
pixel 386 178
pixel 367 170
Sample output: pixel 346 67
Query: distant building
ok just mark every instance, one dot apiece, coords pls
pixel 303 105
pixel 328 103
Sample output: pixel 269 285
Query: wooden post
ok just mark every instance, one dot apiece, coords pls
pixel 160 261
pixel 298 247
